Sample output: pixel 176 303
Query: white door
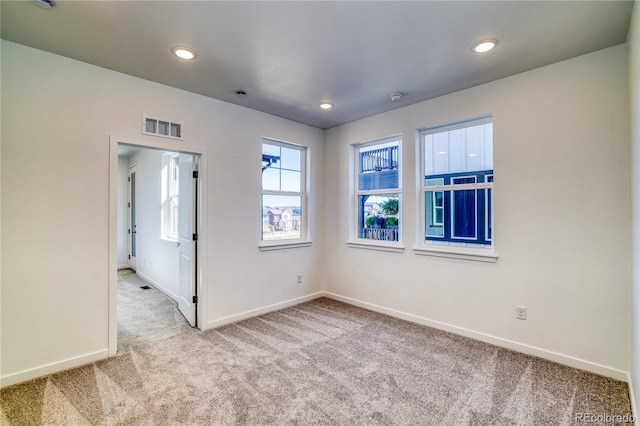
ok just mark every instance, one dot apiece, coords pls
pixel 132 216
pixel 187 302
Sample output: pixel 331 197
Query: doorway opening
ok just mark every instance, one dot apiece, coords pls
pixel 156 204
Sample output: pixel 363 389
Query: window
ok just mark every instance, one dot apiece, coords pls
pixel 457 184
pixel 377 190
pixel 170 196
pixel 283 191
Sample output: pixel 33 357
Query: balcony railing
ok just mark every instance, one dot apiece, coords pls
pixel 380 234
pixel 379 160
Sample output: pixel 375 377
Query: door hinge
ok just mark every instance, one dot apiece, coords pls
pixel 195 174
pixel 128 179
pixel 128 204
pixel 129 257
pixel 195 237
pixel 128 231
pixel 195 299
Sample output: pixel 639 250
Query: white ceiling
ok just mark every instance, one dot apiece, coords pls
pixel 289 56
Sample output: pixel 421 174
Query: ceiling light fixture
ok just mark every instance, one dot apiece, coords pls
pixel 396 96
pixel 183 52
pixel 325 105
pixel 485 45
pixel 45 4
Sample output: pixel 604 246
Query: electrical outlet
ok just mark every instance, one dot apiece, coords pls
pixel 299 278
pixel 521 312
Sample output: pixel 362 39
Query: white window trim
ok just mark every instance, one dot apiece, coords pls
pixel 477 254
pixel 279 245
pixel 380 246
pixel 480 254
pixel 304 240
pixel 486 210
pixel 362 243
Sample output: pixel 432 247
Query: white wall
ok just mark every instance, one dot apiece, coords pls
pixel 55 205
pixel 561 149
pixel 633 48
pixel 157 259
pixel 561 140
pixel 123 243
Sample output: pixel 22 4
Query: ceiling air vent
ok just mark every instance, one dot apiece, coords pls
pixel 164 128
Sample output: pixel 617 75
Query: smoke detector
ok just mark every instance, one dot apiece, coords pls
pixel 396 96
pixel 45 4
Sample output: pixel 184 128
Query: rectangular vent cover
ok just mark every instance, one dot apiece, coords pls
pixel 163 128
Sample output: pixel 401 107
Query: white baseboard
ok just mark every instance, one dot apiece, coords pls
pixel 79 361
pixel 260 311
pixel 158 286
pixel 55 367
pixel 632 398
pixel 571 361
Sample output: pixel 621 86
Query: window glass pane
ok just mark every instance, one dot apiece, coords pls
pixel 170 195
pixel 378 166
pixel 290 181
pixel 464 214
pixel 463 180
pixel 271 149
pixel 281 217
pixel 461 154
pixel 434 182
pixel 290 159
pixel 271 179
pixel 459 150
pixel 378 217
pixel 434 201
pixel 282 171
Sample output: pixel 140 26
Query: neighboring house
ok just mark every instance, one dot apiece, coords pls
pixel 282 219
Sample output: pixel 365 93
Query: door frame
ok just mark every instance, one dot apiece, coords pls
pixel 201 212
pixel 132 215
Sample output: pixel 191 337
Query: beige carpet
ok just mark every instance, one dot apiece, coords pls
pixel 322 362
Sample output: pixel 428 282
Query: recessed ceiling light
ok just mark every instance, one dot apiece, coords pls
pixel 45 4
pixel 485 45
pixel 183 52
pixel 442 152
pixel 325 105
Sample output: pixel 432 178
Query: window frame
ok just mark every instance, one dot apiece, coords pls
pixel 304 239
pixel 440 246
pixel 355 240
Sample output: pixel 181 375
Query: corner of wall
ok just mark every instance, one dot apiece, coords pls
pixel 633 46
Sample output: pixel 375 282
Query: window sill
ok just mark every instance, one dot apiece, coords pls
pixel 270 246
pixel 479 255
pixel 170 240
pixel 390 247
